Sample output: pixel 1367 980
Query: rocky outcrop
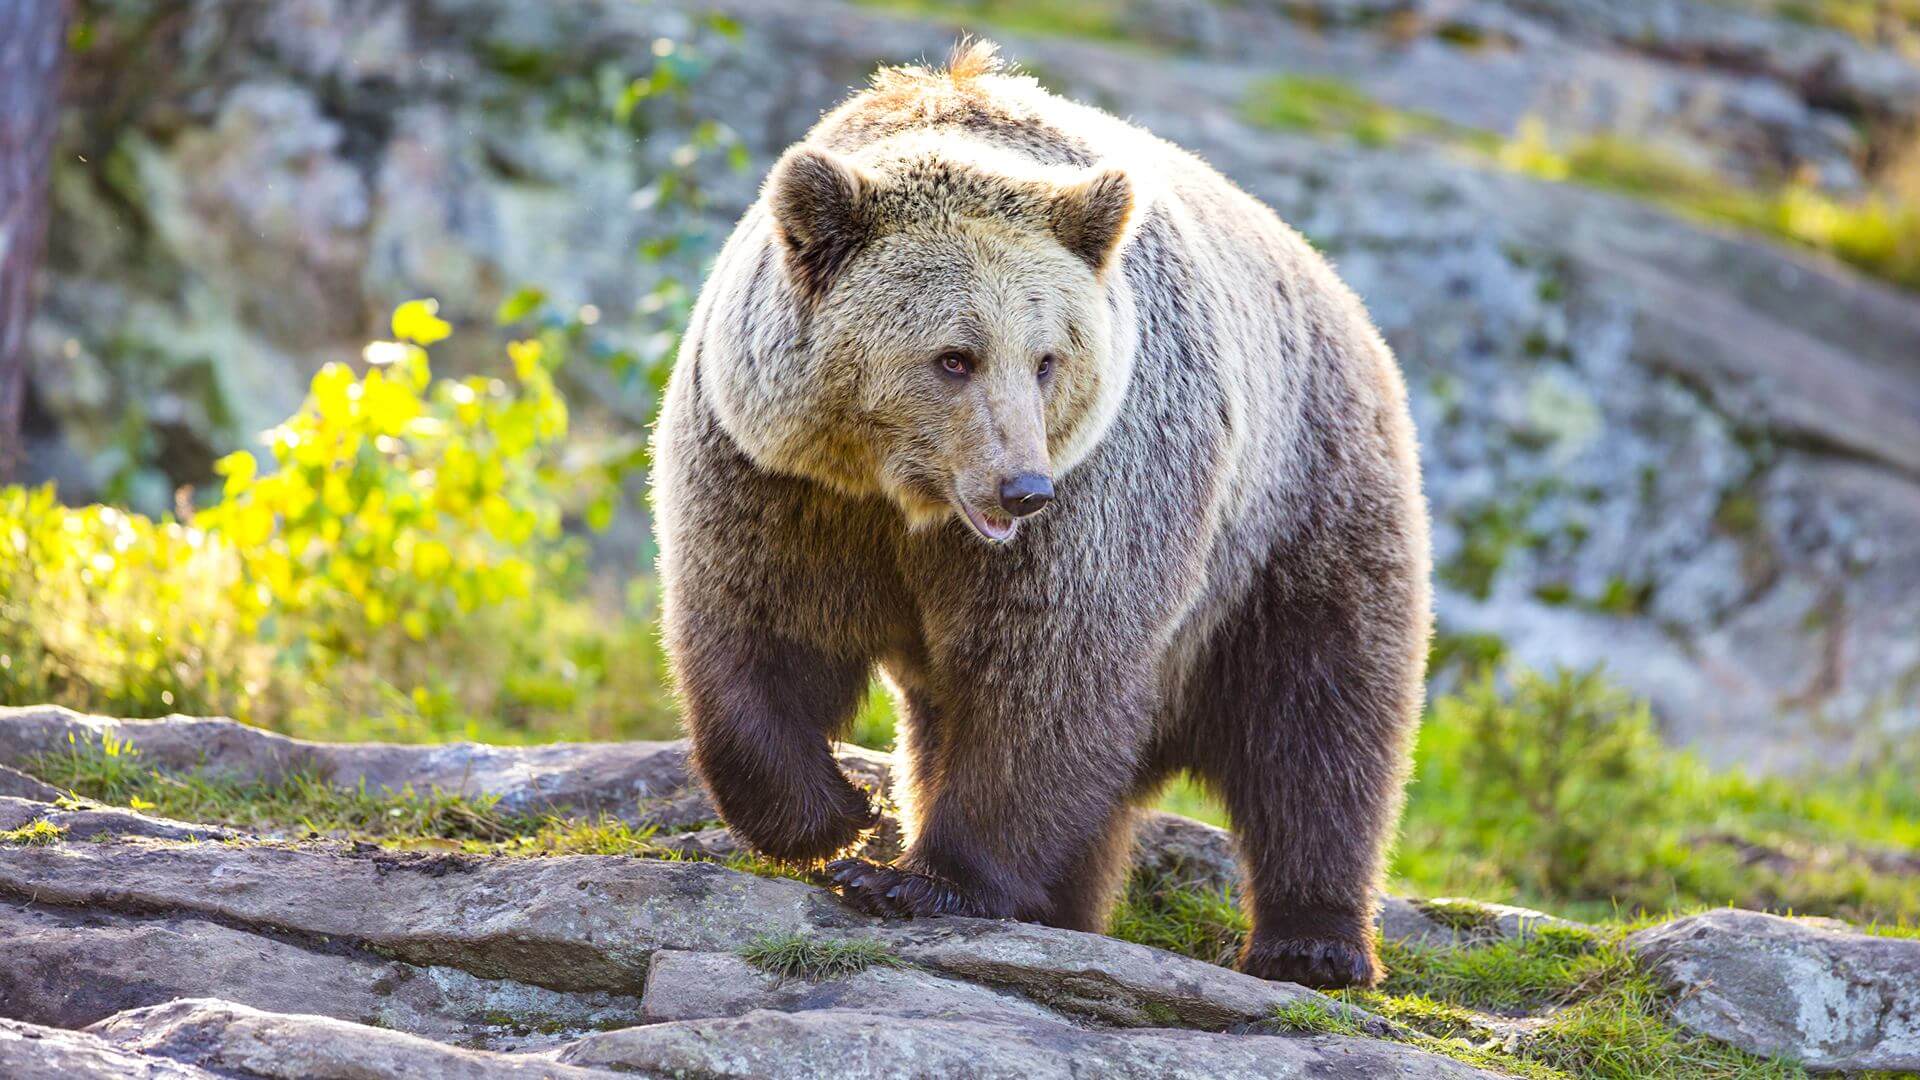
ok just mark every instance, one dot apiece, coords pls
pixel 140 946
pixel 644 783
pixel 521 953
pixel 87 822
pixel 206 1038
pixel 836 1043
pixel 1808 991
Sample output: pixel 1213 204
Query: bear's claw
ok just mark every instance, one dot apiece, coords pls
pixel 896 892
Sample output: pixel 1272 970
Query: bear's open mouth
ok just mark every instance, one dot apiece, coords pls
pixel 993 526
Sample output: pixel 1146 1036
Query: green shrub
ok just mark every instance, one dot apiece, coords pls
pixel 1557 792
pixel 398 569
pixel 1564 781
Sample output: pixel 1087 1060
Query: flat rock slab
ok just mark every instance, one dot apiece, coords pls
pixel 195 1039
pixel 18 785
pixel 33 1052
pixel 833 1043
pixel 85 823
pixel 72 967
pixel 1829 999
pixel 593 923
pixel 226 1039
pixel 612 778
pixel 704 986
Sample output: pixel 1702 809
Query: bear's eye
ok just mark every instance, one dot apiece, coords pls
pixel 955 363
pixel 1046 366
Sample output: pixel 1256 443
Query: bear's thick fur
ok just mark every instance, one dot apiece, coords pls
pixel 959 279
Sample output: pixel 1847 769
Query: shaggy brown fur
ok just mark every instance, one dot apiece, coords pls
pixel 958 278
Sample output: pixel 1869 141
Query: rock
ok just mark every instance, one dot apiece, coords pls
pixel 701 986
pixel 1461 921
pixel 71 967
pixel 228 1039
pixel 593 923
pixel 1825 997
pixel 31 1052
pixel 1175 849
pixel 1186 852
pixel 85 823
pixel 196 1039
pixel 586 778
pixel 1100 978
pixel 835 1043
pixel 18 785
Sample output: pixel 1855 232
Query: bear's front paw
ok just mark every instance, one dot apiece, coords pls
pixel 1323 963
pixel 806 838
pixel 893 891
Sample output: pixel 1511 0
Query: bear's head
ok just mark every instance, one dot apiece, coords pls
pixel 949 327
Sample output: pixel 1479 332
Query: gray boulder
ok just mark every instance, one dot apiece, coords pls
pixel 232 1040
pixel 594 923
pixel 646 783
pixel 706 985
pixel 87 822
pixel 833 1043
pixel 32 1052
pixel 70 967
pixel 1809 992
pixel 18 785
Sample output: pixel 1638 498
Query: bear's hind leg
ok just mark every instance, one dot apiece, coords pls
pixel 1304 715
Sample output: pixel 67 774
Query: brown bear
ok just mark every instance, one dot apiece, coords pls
pixel 1104 469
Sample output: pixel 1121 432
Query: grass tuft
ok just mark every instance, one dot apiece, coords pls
pixel 34 834
pixel 797 956
pixel 1205 924
pixel 1310 1017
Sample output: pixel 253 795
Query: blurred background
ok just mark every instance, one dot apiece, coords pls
pixel 331 414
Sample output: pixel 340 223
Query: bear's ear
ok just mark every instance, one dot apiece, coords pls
pixel 819 205
pixel 1090 217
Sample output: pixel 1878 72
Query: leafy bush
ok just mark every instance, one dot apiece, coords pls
pixel 107 610
pixel 401 567
pixel 1564 782
pixel 1556 791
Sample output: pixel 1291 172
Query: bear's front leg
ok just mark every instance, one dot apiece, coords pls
pixel 1030 769
pixel 760 708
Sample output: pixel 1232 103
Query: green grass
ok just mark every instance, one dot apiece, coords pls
pixel 1097 19
pixel 1328 106
pixel 797 956
pixel 1556 793
pixel 1879 235
pixel 1894 23
pixel 33 834
pixel 1310 1017
pixel 1205 924
pixel 114 773
pixel 1558 1002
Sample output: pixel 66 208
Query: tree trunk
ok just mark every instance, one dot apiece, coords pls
pixel 32 33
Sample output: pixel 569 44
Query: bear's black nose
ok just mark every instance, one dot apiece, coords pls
pixel 1028 493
